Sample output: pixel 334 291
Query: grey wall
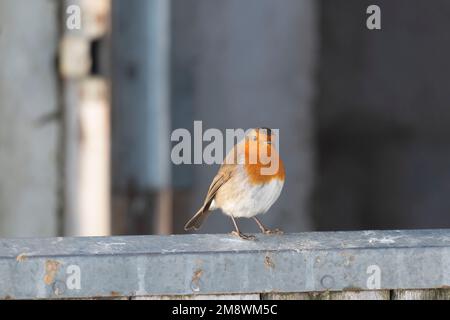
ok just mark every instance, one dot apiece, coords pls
pixel 242 64
pixel 383 116
pixel 29 130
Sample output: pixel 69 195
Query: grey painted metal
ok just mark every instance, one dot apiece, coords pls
pixel 30 126
pixel 220 264
pixel 140 82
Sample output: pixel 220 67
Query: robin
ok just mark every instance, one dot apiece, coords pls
pixel 248 183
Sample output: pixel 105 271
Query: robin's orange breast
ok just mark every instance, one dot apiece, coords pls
pixel 257 172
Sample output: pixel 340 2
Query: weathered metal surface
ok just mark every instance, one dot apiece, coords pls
pixel 327 295
pixel 223 264
pixel 433 294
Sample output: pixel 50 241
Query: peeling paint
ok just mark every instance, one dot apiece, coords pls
pixel 163 251
pixel 268 262
pixel 107 244
pixel 384 240
pixel 21 257
pixel 51 268
pixel 195 282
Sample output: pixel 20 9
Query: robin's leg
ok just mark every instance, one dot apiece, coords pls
pixel 238 233
pixel 266 230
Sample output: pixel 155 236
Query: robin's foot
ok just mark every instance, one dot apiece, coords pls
pixel 272 232
pixel 243 236
pixel 267 230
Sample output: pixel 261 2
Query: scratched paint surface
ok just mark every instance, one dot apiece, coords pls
pixel 221 264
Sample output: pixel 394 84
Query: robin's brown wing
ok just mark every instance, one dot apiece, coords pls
pixel 225 173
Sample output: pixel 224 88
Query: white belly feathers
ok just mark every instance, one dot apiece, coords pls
pixel 252 199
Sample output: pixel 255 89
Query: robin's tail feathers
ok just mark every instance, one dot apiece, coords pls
pixel 198 219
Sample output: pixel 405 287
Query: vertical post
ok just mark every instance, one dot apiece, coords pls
pixel 141 117
pixel 29 119
pixel 86 123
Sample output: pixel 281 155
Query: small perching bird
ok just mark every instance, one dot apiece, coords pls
pixel 248 183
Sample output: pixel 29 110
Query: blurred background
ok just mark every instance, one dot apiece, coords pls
pixel 86 113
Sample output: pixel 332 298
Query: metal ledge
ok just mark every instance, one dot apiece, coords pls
pixel 222 264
